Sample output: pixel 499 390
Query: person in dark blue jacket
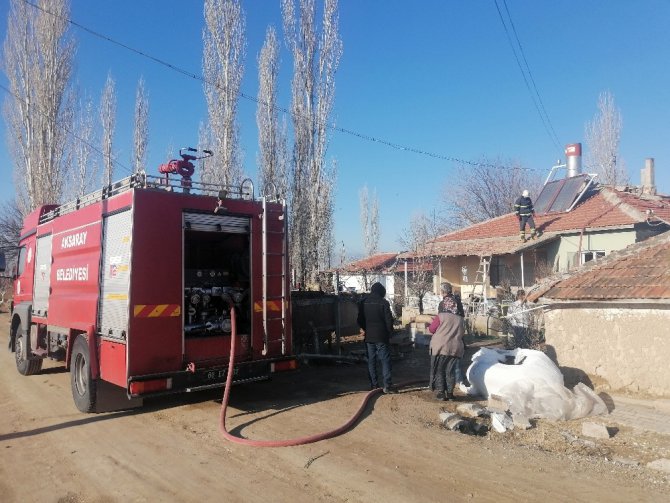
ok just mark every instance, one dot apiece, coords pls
pixel 524 212
pixel 376 320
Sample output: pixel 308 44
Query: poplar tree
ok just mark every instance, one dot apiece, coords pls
pixel 223 68
pixel 316 57
pixel 603 135
pixel 108 122
pixel 37 59
pixel 369 220
pixel 272 157
pixel 141 127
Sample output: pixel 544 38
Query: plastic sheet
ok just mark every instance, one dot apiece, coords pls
pixel 532 385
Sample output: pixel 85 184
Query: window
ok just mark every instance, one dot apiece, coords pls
pixel 589 255
pixel 21 261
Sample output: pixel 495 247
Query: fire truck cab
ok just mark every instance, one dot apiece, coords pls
pixel 134 285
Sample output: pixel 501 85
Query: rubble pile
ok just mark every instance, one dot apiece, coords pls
pixel 474 419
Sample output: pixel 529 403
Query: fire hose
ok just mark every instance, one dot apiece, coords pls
pixel 280 443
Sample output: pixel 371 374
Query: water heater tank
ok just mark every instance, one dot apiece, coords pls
pixel 573 154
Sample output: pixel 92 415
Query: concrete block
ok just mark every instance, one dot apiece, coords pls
pixel 595 430
pixel 458 424
pixel 501 422
pixel 470 410
pixel 453 421
pixel 446 416
pixel 662 465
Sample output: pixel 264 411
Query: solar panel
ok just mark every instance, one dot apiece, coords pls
pixel 559 195
pixel 547 195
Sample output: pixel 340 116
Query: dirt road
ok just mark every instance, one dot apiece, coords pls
pixel 171 450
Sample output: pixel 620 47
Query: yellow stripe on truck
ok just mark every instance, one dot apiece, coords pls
pixel 156 310
pixel 273 305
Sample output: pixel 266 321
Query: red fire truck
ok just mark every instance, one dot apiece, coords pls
pixel 134 284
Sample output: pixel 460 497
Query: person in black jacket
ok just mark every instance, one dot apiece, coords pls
pixel 524 212
pixel 376 320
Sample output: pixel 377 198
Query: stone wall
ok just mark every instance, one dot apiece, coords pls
pixel 628 347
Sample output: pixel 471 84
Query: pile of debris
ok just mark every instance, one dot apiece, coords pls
pixel 473 419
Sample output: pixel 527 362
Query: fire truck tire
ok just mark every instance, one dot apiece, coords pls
pixel 84 389
pixel 24 366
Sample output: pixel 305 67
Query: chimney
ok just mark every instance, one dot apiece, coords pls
pixel 647 176
pixel 573 153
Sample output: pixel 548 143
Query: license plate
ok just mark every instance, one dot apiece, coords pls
pixel 219 374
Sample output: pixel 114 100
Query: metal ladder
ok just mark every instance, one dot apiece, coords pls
pixel 266 233
pixel 482 275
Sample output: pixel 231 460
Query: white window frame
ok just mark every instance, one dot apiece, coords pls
pixel 596 254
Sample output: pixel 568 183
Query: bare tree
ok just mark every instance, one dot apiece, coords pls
pixel 37 60
pixel 369 220
pixel 141 131
pixel 417 241
pixel 11 221
pixel 603 135
pixel 315 61
pixel 86 167
pixel 272 158
pixel 484 190
pixel 223 68
pixel 108 121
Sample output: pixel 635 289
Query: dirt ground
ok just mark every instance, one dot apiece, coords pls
pixel 171 449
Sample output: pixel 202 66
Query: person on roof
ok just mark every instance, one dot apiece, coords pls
pixel 524 212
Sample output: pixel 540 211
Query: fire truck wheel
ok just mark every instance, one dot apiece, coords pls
pixel 24 366
pixel 83 387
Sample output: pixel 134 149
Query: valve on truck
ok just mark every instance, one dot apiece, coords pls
pixel 208 311
pixel 184 167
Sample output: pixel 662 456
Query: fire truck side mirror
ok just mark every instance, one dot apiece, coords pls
pixel 222 194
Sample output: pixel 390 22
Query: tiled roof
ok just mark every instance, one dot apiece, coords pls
pixel 602 208
pixel 378 262
pixel 639 272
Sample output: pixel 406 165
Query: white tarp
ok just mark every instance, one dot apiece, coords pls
pixel 531 384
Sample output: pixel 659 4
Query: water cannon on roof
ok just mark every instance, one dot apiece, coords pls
pixel 184 166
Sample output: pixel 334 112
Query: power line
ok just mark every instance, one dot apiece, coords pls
pixel 277 108
pixel 534 93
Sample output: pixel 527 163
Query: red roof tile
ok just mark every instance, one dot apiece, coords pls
pixel 639 272
pixel 377 262
pixel 605 208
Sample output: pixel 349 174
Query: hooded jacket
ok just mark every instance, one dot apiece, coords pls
pixel 374 315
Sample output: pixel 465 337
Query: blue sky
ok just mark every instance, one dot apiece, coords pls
pixel 434 75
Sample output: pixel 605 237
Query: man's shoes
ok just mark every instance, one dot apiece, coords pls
pixel 523 239
pixel 373 387
pixel 441 396
pixel 450 396
pixel 390 390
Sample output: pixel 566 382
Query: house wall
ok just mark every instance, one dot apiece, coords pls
pixel 562 253
pixel 453 269
pixel 357 282
pixel 627 347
